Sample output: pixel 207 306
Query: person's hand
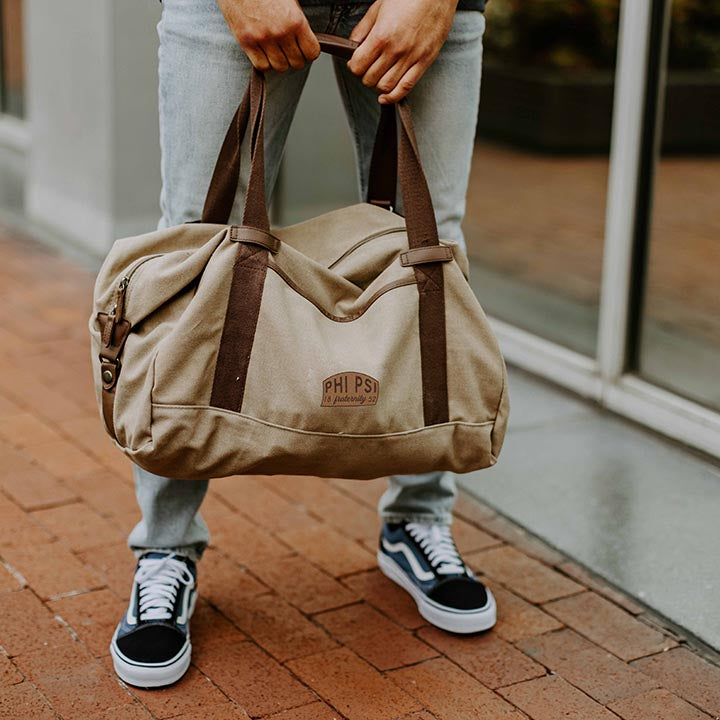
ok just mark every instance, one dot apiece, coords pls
pixel 275 35
pixel 399 39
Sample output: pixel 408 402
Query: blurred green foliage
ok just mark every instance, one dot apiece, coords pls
pixel 582 34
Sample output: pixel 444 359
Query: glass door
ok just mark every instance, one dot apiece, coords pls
pixel 536 202
pixel 679 344
pixel 601 271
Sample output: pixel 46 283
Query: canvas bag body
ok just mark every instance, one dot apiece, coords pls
pixel 311 349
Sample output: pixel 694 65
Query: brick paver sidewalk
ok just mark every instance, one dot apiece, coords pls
pixel 295 621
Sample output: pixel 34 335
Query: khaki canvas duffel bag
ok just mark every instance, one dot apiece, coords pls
pixel 349 345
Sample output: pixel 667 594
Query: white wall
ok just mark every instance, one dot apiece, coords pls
pixel 93 163
pixel 136 142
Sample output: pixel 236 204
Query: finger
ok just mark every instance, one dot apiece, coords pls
pixel 308 43
pixel 378 69
pixel 363 28
pixel 276 56
pixel 393 76
pixel 291 50
pixel 365 55
pixel 404 86
pixel 258 58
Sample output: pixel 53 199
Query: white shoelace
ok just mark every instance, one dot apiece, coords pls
pixel 159 580
pixel 439 547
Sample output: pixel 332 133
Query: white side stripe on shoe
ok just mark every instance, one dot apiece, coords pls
pixel 182 618
pixel 131 617
pixel 420 574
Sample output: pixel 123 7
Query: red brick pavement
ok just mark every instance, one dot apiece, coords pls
pixel 340 642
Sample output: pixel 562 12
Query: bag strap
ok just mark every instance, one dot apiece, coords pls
pixel 419 214
pixel 382 181
pixel 226 175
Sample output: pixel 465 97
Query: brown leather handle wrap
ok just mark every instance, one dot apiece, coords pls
pixel 336 45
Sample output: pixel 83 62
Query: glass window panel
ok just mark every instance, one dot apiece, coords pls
pixel 12 65
pixel 536 203
pixel 680 339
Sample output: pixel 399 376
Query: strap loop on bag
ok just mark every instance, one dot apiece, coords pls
pixel 243 233
pixel 425 255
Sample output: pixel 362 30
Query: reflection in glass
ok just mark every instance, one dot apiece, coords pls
pixel 12 66
pixel 680 341
pixel 536 204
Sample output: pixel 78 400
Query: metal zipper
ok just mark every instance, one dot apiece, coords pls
pixel 116 314
pixel 112 347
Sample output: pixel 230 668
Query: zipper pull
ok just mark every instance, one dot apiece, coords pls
pixel 116 314
pixel 119 309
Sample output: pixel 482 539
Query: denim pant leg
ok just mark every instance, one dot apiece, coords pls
pixel 203 74
pixel 170 515
pixel 444 107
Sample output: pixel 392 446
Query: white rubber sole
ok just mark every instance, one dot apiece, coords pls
pixel 457 621
pixel 146 675
pixel 152 675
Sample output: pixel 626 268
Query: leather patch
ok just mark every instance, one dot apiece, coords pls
pixel 349 389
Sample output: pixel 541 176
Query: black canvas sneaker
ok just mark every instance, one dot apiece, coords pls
pixel 151 646
pixel 423 560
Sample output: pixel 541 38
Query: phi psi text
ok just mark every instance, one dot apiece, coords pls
pixel 349 389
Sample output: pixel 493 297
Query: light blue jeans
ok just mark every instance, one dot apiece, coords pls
pixel 203 74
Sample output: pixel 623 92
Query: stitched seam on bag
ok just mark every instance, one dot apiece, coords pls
pixel 137 449
pixel 360 243
pixel 428 284
pixel 299 431
pixel 250 261
pixel 346 318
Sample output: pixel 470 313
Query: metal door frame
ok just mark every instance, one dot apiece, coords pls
pixel 609 378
